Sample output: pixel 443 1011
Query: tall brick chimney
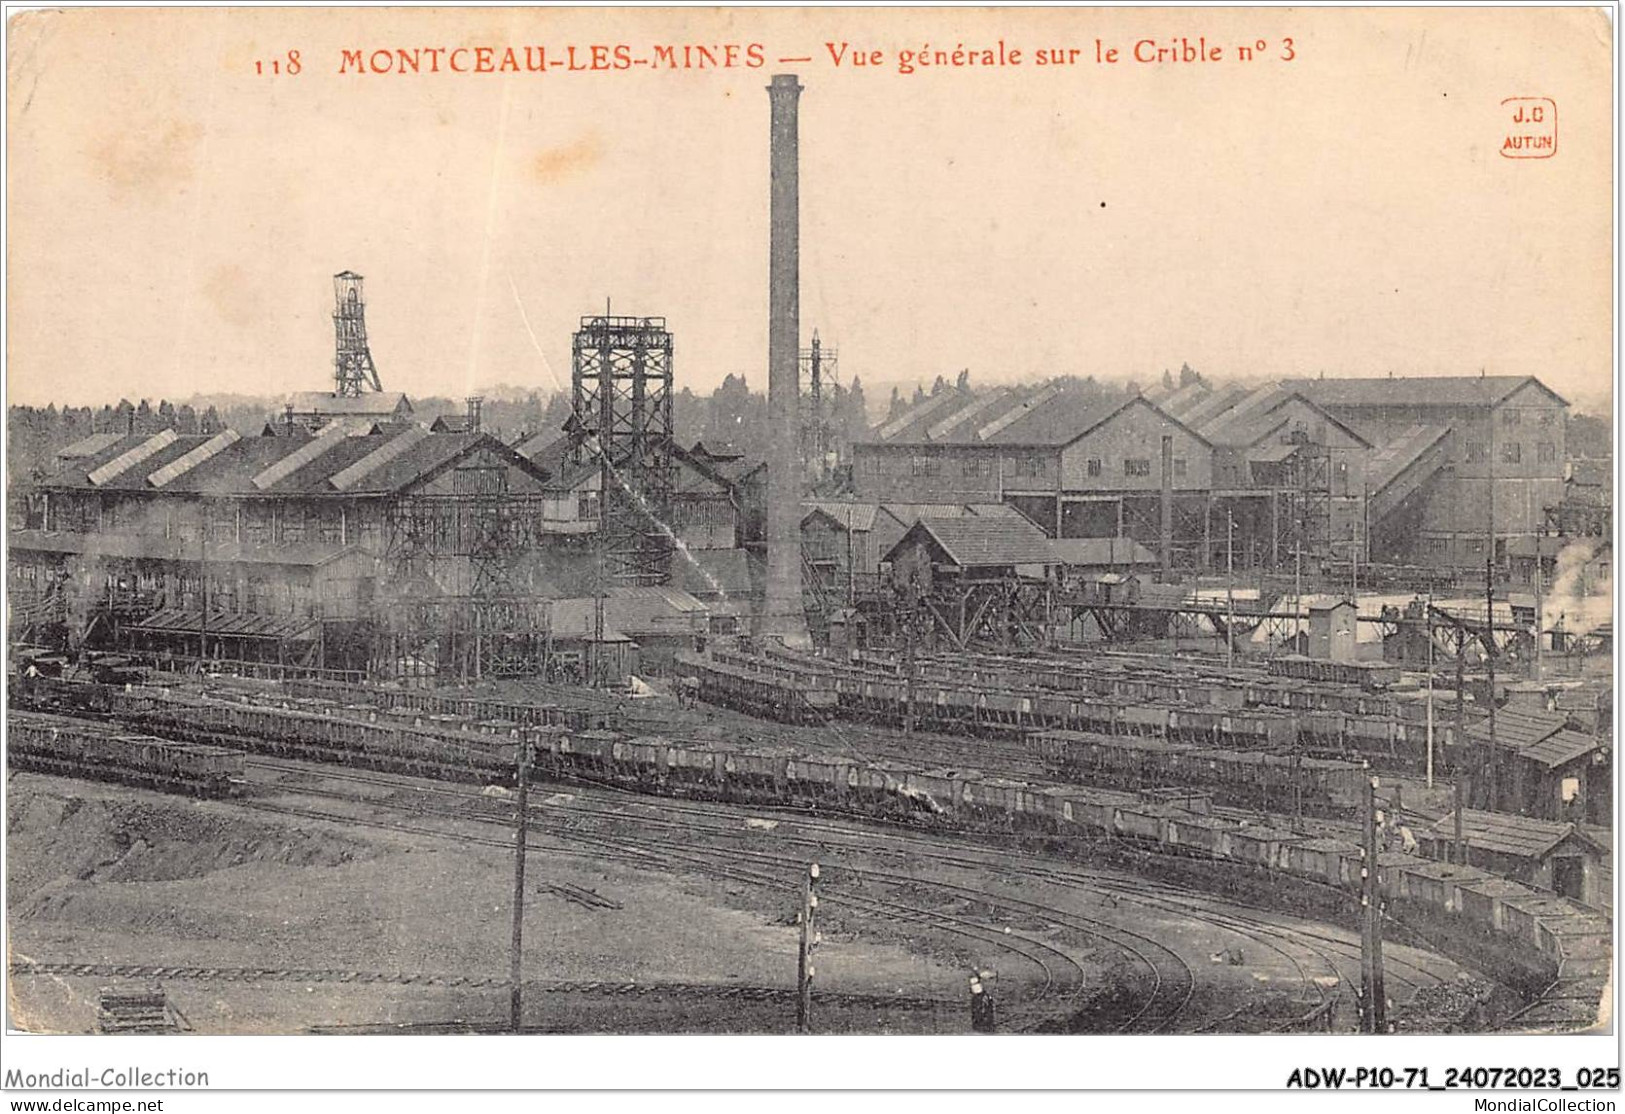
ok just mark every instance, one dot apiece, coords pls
pixel 782 614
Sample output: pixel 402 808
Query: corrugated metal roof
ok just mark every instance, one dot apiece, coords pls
pixel 1390 461
pixel 987 542
pixel 913 415
pixel 325 442
pixel 348 477
pixel 1260 400
pixel 1215 403
pixel 1560 749
pixel 1517 728
pixel 129 458
pixel 229 624
pixel 851 516
pixel 1430 390
pixel 1504 834
pixel 965 413
pixel 182 465
pixel 376 403
pixel 89 446
pixel 1184 399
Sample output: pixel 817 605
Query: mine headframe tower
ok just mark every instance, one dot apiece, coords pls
pixel 817 364
pixel 621 375
pixel 353 369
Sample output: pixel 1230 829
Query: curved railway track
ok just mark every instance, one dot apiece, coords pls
pixel 1309 954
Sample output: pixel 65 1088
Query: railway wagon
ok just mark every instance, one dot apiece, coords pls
pixel 77 748
pixel 1369 675
pixel 943 789
pixel 1336 862
pixel 1263 846
pixel 644 762
pixel 1199 835
pixel 819 780
pixel 1143 821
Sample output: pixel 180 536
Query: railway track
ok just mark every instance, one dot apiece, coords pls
pixel 1061 974
pixel 1301 948
pixel 324 976
pixel 1171 979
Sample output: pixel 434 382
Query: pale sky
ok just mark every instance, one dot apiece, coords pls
pixel 175 219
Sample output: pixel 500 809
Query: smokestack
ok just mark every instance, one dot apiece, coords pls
pixel 782 614
pixel 475 403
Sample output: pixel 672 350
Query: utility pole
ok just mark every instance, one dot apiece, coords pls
pixel 1489 618
pixel 521 826
pixel 1372 993
pixel 1460 765
pixel 810 940
pixel 203 583
pixel 1230 589
pixel 1427 630
pixel 1540 611
pixel 1489 664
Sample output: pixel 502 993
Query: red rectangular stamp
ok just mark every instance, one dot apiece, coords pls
pixel 1531 128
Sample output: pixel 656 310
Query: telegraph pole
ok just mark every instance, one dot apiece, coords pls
pixel 1427 629
pixel 521 824
pixel 809 941
pixel 1230 589
pixel 1460 768
pixel 1372 993
pixel 1489 664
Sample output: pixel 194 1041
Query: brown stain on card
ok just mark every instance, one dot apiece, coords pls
pixel 555 164
pixel 151 157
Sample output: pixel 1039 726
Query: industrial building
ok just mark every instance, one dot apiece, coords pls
pixel 344 538
pixel 1355 470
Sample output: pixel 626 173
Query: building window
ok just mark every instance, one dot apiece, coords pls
pixel 1477 452
pixel 977 466
pixel 922 465
pixel 1511 452
pixel 1510 417
pixel 1475 545
pixel 1546 452
pixel 1438 547
pixel 1092 466
pixel 1180 467
pixel 1137 466
pixel 587 506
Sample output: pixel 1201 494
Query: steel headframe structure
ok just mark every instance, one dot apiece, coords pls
pixel 452 608
pixel 621 394
pixel 353 369
pixel 817 362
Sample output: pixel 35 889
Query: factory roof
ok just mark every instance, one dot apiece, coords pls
pixel 1390 461
pixel 1053 416
pixel 1560 749
pixel 151 547
pixel 380 403
pixel 1504 834
pixel 974 542
pixel 89 446
pixel 1429 390
pixel 229 624
pixel 1516 728
pixel 288 463
pixel 848 516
